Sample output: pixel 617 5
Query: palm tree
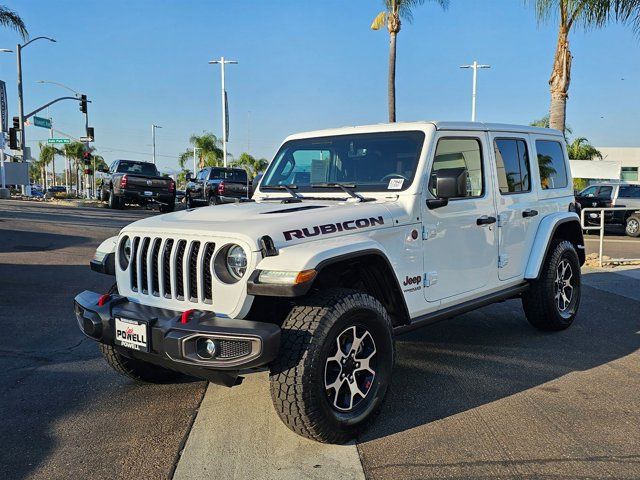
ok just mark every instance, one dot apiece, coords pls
pixel 208 151
pixel 583 13
pixel 544 123
pixel 10 19
pixel 581 149
pixel 391 15
pixel 74 152
pixel 47 156
pixel 253 165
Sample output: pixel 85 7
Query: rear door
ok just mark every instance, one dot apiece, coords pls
pixel 516 201
pixel 198 184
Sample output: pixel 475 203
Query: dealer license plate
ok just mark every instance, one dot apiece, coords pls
pixel 132 334
pixel 148 194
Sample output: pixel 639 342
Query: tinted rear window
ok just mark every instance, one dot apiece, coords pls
pixel 553 172
pixel 629 191
pixel 231 175
pixel 138 168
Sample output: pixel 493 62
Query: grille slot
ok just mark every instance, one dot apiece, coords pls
pixel 144 250
pixel 134 263
pixel 155 281
pixel 234 348
pixel 193 271
pixel 206 268
pixel 179 269
pixel 166 268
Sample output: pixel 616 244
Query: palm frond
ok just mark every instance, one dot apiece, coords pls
pixel 10 19
pixel 379 21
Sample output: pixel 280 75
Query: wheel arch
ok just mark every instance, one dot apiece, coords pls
pixel 560 225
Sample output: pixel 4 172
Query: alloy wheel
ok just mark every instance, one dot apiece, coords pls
pixel 350 368
pixel 563 285
pixel 633 226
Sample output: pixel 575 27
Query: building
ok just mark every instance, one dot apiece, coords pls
pixel 629 159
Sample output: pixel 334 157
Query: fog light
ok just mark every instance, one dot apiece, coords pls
pixel 206 348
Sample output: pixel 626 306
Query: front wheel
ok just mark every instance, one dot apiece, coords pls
pixel 336 357
pixel 137 370
pixel 632 227
pixel 552 301
pixel 213 200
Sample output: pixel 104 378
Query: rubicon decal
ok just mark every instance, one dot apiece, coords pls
pixel 333 228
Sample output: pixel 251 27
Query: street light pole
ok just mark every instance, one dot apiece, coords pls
pixel 4 193
pixel 194 160
pixel 153 141
pixel 474 91
pixel 222 63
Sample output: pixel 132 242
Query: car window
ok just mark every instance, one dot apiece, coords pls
pixel 140 168
pixel 553 172
pixel 512 161
pixel 589 191
pixel 460 153
pixel 605 192
pixel 202 174
pixel 629 191
pixel 231 175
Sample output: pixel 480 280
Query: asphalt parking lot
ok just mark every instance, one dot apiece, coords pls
pixel 483 395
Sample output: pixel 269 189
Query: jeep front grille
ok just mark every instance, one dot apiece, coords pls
pixel 176 269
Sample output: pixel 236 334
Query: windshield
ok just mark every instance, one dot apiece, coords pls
pixel 374 162
pixel 139 168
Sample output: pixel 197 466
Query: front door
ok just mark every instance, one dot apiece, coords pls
pixel 460 249
pixel 518 215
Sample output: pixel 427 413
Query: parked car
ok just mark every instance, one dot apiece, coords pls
pixel 132 181
pixel 216 185
pixel 609 194
pixel 57 189
pixel 354 235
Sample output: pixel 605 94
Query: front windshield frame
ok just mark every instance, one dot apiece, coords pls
pixel 317 143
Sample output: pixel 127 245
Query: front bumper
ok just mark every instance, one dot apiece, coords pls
pixel 241 344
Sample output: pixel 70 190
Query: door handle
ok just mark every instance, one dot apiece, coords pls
pixel 485 220
pixel 529 213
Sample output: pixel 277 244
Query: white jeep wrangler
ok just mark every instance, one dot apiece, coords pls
pixel 353 235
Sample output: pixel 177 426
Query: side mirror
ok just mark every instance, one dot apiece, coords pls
pixel 448 183
pixel 189 176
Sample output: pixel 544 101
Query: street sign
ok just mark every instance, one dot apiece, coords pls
pixel 42 122
pixel 86 139
pixel 3 106
pixel 58 140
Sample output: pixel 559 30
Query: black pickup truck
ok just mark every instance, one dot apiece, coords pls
pixel 135 182
pixel 216 185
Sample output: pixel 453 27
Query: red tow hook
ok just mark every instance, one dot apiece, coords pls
pixel 104 299
pixel 184 318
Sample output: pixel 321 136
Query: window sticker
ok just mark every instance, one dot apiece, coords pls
pixel 395 184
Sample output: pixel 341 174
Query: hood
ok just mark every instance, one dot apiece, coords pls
pixel 285 223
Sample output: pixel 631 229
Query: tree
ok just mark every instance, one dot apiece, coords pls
pixel 583 13
pixel 253 165
pixel 208 151
pixel 544 123
pixel 391 15
pixel 74 152
pixel 10 19
pixel 47 156
pixel 581 149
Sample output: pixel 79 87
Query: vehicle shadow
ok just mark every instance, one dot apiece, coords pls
pixel 21 241
pixel 493 353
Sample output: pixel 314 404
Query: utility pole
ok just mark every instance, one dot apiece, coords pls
pixel 474 92
pixel 195 168
pixel 225 114
pixel 153 141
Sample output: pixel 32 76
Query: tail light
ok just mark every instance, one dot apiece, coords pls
pixel 123 182
pixel 172 186
pixel 221 188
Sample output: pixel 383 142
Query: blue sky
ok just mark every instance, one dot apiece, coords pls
pixel 305 65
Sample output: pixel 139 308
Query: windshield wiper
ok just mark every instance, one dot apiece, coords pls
pixel 288 188
pixel 345 187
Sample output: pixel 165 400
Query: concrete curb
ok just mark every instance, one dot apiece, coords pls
pixel 238 435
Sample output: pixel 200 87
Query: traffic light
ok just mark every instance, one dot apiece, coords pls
pixel 88 171
pixel 86 158
pixel 16 123
pixel 13 139
pixel 83 103
pixel 90 133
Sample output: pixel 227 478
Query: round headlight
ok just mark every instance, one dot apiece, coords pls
pixel 125 252
pixel 236 261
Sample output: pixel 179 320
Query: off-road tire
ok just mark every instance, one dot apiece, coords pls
pixel 170 207
pixel 632 225
pixel 137 370
pixel 115 202
pixel 540 302
pixel 297 376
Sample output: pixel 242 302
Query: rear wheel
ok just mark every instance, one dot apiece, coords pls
pixel 552 301
pixel 170 207
pixel 213 200
pixel 137 369
pixel 336 357
pixel 114 201
pixel 632 227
